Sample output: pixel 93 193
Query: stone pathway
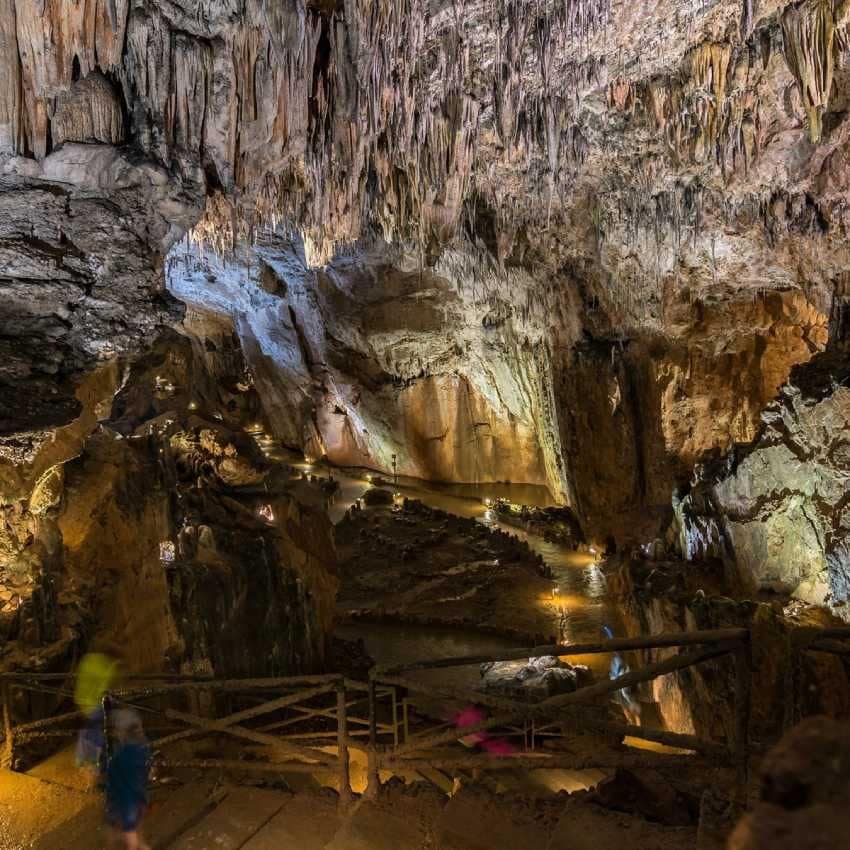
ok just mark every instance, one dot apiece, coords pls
pixel 39 815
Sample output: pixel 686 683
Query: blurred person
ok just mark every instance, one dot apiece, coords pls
pixel 97 673
pixel 472 716
pixel 623 697
pixel 126 779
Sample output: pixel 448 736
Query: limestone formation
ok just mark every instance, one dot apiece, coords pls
pixel 146 530
pixel 805 789
pixel 581 244
pixel 777 509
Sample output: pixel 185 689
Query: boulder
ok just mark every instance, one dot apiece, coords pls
pixel 378 496
pixel 535 679
pixel 647 794
pixel 805 792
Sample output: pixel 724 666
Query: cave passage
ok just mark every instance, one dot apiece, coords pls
pixel 424 424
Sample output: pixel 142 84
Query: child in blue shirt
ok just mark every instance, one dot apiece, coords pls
pixel 126 779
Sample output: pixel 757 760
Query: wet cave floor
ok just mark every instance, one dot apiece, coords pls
pixel 435 573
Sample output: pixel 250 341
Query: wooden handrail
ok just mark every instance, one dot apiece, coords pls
pixel 287 692
pixel 661 641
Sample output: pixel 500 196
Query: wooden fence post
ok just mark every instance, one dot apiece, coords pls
pixel 798 641
pixel 374 780
pixel 405 718
pixel 393 692
pixel 342 745
pixel 7 758
pixel 743 688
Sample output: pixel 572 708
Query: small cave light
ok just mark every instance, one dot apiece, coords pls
pixel 163 385
pixel 167 552
pixel 193 405
pixel 266 512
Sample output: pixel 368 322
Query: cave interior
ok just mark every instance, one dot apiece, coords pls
pixel 361 347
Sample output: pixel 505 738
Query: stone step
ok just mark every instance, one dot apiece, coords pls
pixel 381 826
pixel 306 822
pixel 584 826
pixel 474 819
pixel 174 811
pixel 233 822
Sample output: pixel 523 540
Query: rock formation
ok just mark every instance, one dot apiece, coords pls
pixel 629 163
pixel 777 510
pixel 153 537
pixel 660 597
pixel 578 244
pixel 804 791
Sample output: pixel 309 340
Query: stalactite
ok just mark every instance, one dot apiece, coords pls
pixel 746 18
pixel 808 31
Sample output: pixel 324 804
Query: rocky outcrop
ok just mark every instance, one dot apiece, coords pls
pixel 82 239
pixel 159 538
pixel 365 360
pixel 362 362
pixel 804 791
pixel 659 597
pixel 667 188
pixel 89 111
pixel 777 509
pixel 414 564
pixel 535 679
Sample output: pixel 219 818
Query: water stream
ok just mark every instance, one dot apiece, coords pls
pixel 579 602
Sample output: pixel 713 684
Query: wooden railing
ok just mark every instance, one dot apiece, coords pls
pixel 510 715
pixel 309 723
pixel 296 724
pixel 832 640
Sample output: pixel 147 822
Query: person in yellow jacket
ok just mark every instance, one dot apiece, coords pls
pixel 97 673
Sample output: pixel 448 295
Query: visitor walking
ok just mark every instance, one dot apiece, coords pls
pixel 126 779
pixel 624 697
pixel 97 674
pixel 470 717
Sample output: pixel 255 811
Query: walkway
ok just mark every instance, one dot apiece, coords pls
pixel 201 816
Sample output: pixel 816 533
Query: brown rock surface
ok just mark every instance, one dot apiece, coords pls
pixel 805 792
pixel 421 565
pixel 776 509
pixel 152 535
pixel 665 183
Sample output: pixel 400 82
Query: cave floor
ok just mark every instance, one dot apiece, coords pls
pixel 200 814
pixel 447 577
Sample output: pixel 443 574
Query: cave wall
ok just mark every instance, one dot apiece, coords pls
pixel 637 415
pixel 776 509
pixel 668 596
pixel 247 601
pixel 82 239
pixel 365 359
pixel 144 534
pixel 685 148
pixel 627 176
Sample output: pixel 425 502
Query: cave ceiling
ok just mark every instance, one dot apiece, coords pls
pixel 596 163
